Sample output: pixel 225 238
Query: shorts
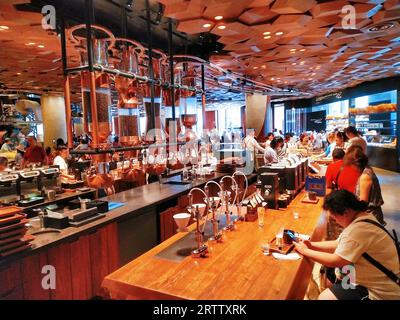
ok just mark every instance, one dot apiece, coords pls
pixel 358 293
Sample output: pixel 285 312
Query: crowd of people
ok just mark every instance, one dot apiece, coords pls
pixel 353 196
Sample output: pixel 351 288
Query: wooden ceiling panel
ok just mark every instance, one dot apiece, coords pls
pixel 195 26
pixel 293 43
pixel 328 8
pixel 392 4
pixel 292 6
pixel 257 15
pixel 228 10
pixel 260 3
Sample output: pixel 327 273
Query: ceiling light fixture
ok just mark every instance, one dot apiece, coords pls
pixel 222 27
pixel 4 28
pixel 272 79
pixel 302 63
pixel 129 3
pixel 267 37
pixel 218 17
pixel 30 44
pixel 294 63
pixel 279 33
pixel 266 33
pixel 206 25
pixel 40 46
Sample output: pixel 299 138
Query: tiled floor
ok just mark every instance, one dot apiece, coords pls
pixel 390 185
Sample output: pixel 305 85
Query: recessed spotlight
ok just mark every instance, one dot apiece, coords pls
pixel 222 27
pixel 4 28
pixel 264 66
pixel 218 17
pixel 266 33
pixel 206 25
pixel 292 50
pixel 310 68
pixel 279 33
pixel 30 44
pixel 294 63
pixel 310 79
pixel 18 73
pixel 267 37
pixel 255 68
pixel 302 63
pixel 40 46
pixel 272 79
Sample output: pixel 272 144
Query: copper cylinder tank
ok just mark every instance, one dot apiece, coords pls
pixel 103 99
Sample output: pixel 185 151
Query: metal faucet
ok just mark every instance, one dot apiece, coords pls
pixel 225 197
pixel 239 202
pixel 202 248
pixel 217 235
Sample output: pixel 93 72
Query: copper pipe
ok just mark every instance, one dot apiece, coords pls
pixel 68 112
pixel 84 84
pixel 93 108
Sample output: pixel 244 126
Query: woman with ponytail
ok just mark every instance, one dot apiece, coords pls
pixel 363 237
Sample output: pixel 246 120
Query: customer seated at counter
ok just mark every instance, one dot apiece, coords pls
pixel 368 188
pixel 340 176
pixel 271 152
pixel 330 147
pixel 34 154
pixel 304 142
pixel 355 139
pixel 362 234
pixel 341 140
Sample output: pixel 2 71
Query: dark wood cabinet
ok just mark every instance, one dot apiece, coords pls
pixel 10 284
pixel 80 267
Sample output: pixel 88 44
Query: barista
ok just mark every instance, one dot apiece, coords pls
pixel 34 154
pixel 271 153
pixel 251 142
pixel 7 146
pixel 3 164
pixel 61 161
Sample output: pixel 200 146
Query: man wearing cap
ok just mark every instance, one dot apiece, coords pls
pixel 7 146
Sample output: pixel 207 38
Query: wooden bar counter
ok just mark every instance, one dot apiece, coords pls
pixel 234 269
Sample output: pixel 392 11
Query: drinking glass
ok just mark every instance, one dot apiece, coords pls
pixel 265 246
pixel 261 213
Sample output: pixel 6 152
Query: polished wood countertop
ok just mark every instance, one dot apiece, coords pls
pixel 235 269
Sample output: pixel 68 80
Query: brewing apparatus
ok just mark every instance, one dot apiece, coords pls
pixel 225 198
pixel 213 204
pixel 127 54
pixel 202 249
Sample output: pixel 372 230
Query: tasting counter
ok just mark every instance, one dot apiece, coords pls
pixel 234 269
pixel 84 255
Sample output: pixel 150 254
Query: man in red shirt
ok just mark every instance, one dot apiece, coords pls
pixel 339 175
pixel 34 154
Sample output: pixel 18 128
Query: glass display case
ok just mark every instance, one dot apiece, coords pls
pixel 376 117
